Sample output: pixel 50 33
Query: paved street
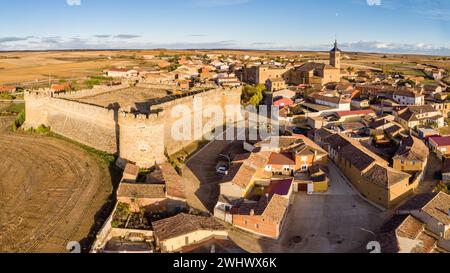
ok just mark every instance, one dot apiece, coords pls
pixel 199 174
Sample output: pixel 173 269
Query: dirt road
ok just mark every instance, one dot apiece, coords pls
pixel 50 192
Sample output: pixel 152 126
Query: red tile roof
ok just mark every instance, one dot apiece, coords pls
pixel 283 102
pixel 355 113
pixel 280 187
pixel 441 141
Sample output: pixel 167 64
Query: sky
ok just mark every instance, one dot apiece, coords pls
pixel 391 26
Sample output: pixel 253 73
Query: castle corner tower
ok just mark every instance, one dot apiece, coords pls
pixel 335 56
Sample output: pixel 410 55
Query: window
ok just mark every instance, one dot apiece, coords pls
pixel 257 226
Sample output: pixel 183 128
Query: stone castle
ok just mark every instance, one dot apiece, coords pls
pixel 142 139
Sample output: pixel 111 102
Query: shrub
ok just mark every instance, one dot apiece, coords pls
pixel 20 120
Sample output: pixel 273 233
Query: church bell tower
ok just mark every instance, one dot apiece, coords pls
pixel 335 56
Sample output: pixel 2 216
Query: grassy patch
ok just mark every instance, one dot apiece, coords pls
pixel 178 159
pixel 106 157
pixel 442 187
pixel 16 108
pixel 444 130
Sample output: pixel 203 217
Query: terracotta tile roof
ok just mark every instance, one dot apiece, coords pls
pixel 410 228
pixel 428 245
pixel 417 202
pixel 183 224
pixel 336 142
pixel 407 93
pixel 276 209
pixel 174 183
pixel 323 133
pixel 131 169
pixel 385 176
pixel 355 113
pixel 281 159
pixel 5 88
pixel 439 207
pixel 219 245
pixel 283 102
pixel 359 158
pixel 412 148
pixel 119 70
pixel 244 176
pixel 141 190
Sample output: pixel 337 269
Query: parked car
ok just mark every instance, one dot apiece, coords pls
pixel 222 170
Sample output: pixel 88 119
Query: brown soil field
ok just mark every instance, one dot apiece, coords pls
pixel 28 67
pixel 51 192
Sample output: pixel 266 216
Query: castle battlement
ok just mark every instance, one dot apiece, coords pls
pixel 140 138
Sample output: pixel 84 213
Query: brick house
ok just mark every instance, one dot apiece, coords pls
pixel 369 174
pixel 161 191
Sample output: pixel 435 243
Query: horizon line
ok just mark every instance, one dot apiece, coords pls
pixel 213 49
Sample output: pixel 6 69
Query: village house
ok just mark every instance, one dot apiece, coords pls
pixel 260 74
pixel 275 84
pixel 283 102
pixel 228 81
pixel 431 89
pixel 370 90
pixel 161 191
pixel 175 233
pixel 369 173
pixel 355 115
pixel 292 154
pixel 413 116
pixel 338 103
pixel 408 97
pixel 284 93
pixel 265 217
pixel 422 225
pixel 440 145
pixel 7 89
pixel 360 103
pixel 439 102
pixel 159 78
pixel 122 73
pixel 412 156
pixel 257 192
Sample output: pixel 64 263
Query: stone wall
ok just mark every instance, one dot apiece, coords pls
pixel 138 138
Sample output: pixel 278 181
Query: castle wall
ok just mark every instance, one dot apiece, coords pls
pixel 87 124
pixel 138 138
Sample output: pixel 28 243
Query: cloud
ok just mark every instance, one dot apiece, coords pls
pixel 197 35
pixel 127 36
pixel 73 2
pixel 102 36
pixel 113 42
pixel 374 2
pixel 12 39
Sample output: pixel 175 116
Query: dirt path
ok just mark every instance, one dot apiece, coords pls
pixel 50 192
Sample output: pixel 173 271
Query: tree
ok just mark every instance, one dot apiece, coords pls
pixel 351 70
pixel 253 95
